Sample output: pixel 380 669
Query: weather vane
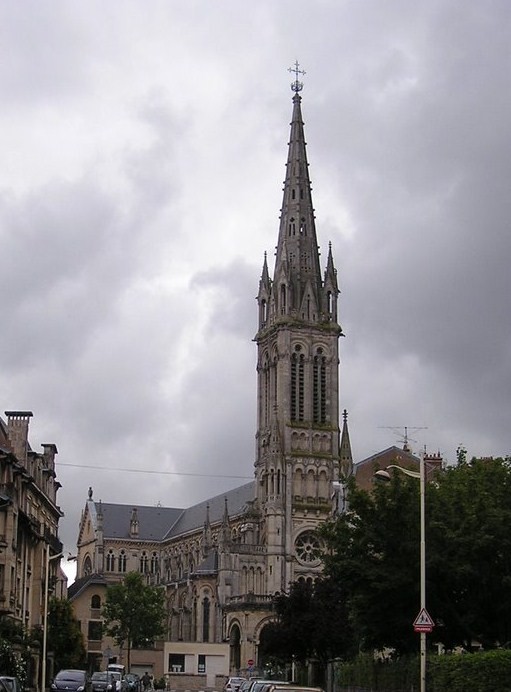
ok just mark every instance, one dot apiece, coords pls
pixel 296 85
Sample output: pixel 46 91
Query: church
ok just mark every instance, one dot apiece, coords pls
pixel 222 561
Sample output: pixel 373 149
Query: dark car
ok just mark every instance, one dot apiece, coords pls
pixel 9 684
pixel 71 681
pixel 102 682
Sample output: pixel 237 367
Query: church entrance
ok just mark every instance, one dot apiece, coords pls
pixel 235 649
pixel 265 660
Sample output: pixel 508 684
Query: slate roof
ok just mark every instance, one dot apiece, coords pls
pixel 79 584
pixel 153 522
pixel 398 452
pixel 158 523
pixel 195 516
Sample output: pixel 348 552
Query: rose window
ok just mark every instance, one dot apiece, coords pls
pixel 308 547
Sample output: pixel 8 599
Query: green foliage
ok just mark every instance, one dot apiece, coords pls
pixel 311 622
pixel 390 674
pixel 469 547
pixel 11 631
pixel 13 663
pixel 65 637
pixel 134 613
pixel 480 672
pixel 160 683
pixel 373 551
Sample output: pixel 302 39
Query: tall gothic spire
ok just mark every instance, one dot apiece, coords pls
pixel 297 269
pixel 297 291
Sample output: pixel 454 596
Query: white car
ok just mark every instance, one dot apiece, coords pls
pixel 233 684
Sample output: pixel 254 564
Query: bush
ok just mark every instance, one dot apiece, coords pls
pixel 479 672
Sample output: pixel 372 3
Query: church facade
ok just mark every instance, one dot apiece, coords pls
pixel 222 561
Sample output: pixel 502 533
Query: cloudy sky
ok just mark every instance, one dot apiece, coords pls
pixel 143 146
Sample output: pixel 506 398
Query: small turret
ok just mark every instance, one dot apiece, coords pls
pixel 206 535
pixel 346 457
pixel 224 538
pixel 134 523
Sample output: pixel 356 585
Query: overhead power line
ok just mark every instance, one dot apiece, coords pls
pixel 164 473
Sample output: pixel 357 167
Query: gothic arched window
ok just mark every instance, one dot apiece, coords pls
pixel 206 607
pixel 143 563
pixel 87 566
pixel 95 601
pixel 319 387
pixel 122 561
pixel 110 561
pixel 297 384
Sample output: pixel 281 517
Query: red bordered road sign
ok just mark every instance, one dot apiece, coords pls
pixel 423 622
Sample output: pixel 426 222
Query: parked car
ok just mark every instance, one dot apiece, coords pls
pixel 71 681
pixel 101 682
pixel 119 684
pixel 233 684
pixel 260 685
pixel 278 687
pixel 245 685
pixel 9 684
pixel 133 683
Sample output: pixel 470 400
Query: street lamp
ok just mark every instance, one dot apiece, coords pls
pixel 49 558
pixel 423 622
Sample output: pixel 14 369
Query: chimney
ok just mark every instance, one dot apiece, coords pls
pixel 50 450
pixel 434 464
pixel 17 431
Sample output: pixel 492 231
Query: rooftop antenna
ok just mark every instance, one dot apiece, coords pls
pixel 404 438
pixel 296 85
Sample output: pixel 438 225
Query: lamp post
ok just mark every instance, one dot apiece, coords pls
pixel 421 476
pixel 49 558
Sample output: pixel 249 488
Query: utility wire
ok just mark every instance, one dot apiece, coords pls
pixel 165 473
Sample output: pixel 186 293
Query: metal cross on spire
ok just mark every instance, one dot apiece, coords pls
pixel 296 85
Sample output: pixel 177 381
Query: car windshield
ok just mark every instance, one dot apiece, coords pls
pixel 70 675
pixel 99 676
pixel 8 684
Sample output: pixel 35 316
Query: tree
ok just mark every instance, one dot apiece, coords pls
pixel 373 552
pixel 469 547
pixel 65 637
pixel 311 621
pixel 134 613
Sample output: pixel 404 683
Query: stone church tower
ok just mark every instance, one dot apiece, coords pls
pixel 222 560
pixel 297 459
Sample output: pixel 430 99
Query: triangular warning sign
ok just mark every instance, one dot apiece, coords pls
pixel 423 619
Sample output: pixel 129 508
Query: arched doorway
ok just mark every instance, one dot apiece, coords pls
pixel 234 648
pixel 265 659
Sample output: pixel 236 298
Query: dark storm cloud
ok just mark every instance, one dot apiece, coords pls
pixel 143 156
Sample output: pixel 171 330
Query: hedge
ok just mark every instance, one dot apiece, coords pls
pixel 488 671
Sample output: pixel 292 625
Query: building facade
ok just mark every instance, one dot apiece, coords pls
pixel 29 522
pixel 223 560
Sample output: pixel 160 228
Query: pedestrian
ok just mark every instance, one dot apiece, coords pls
pixel 146 681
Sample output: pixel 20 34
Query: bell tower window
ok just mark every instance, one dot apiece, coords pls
pixel 282 299
pixel 319 387
pixel 297 384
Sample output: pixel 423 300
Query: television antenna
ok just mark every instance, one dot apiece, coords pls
pixel 402 432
